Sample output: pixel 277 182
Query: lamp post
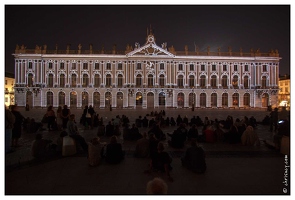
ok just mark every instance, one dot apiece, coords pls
pixel 193 103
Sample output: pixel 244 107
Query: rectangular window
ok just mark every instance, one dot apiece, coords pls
pixel 73 65
pixel 235 68
pixel 246 68
pixel 62 66
pixel 202 67
pixel 6 99
pixel 180 67
pixel 5 82
pixel 120 66
pixel 192 67
pixel 96 66
pixel 264 68
pixel 108 66
pixel 162 66
pixel 213 67
pixel 30 65
pixel 224 68
pixel 286 90
pixel 50 65
pixel 138 66
pixel 85 65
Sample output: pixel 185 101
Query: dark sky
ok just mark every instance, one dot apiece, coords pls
pixel 265 27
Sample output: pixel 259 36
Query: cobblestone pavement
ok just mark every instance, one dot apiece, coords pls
pixel 232 169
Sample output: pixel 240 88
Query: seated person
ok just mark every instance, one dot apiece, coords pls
pixel 249 137
pixel 210 134
pixel 156 186
pixel 178 137
pixel 142 149
pixel 41 148
pixel 193 132
pixel 138 122
pixel 35 126
pixel 158 132
pixel 95 152
pixel 161 162
pixel 114 153
pixel 194 158
pixel 109 129
pixel 74 133
pixel 59 141
pixel 134 133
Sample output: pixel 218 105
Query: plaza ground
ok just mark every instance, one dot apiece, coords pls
pixel 232 169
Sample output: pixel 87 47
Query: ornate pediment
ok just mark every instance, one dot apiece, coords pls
pixel 150 49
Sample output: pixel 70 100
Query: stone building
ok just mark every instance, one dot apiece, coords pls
pixel 145 76
pixel 9 89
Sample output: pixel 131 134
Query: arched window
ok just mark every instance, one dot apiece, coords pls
pixel 85 80
pixel 192 99
pixel 49 99
pixel 162 80
pixel 213 100
pixel 150 80
pixel 246 82
pixel 180 81
pixel 74 80
pixel 120 80
pixel 108 80
pixel 162 101
pixel 61 80
pixel 191 81
pixel 50 80
pixel 138 81
pixel 138 99
pixel 235 99
pixel 96 80
pixel 225 99
pixel 203 81
pixel 96 99
pixel 84 99
pixel 203 99
pixel 108 99
pixel 235 81
pixel 246 99
pixel 263 82
pixel 61 99
pixel 213 81
pixel 180 100
pixel 30 80
pixel 224 81
pixel 73 99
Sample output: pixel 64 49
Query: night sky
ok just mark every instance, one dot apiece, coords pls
pixel 265 27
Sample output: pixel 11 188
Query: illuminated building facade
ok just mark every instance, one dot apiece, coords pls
pixel 147 76
pixel 284 92
pixel 9 89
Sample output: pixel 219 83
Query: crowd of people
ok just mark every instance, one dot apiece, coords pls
pixel 147 144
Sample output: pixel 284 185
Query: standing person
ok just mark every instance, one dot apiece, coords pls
pixel 74 133
pixel 58 118
pixel 92 113
pixel 17 126
pixel 9 121
pixel 51 118
pixel 65 114
pixel 274 117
